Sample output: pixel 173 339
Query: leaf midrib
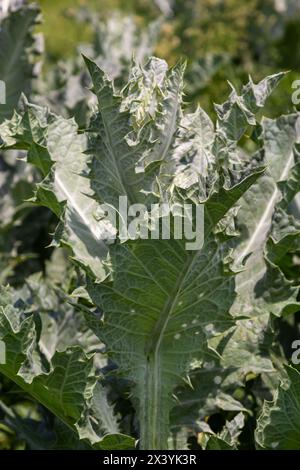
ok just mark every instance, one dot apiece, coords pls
pixel 153 345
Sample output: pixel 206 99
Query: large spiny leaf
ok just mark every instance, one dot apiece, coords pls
pixel 262 287
pixel 114 159
pixel 279 135
pixel 163 310
pixel 161 320
pixel 118 160
pixel 284 238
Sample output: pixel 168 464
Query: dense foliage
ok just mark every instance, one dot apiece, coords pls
pixel 130 340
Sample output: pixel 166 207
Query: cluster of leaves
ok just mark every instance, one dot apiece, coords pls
pixel 20 60
pixel 140 340
pixel 252 38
